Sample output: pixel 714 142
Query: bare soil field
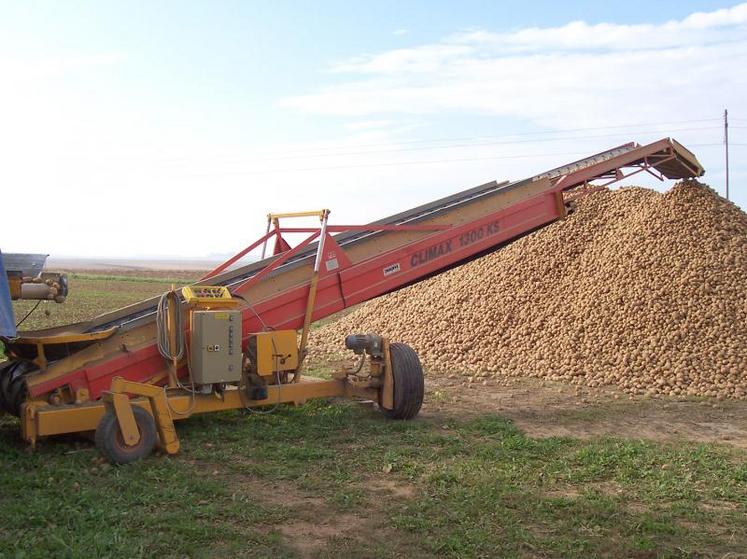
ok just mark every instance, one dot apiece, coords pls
pixel 542 408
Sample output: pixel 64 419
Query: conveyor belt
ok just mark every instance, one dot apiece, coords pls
pixel 239 275
pixel 144 311
pixel 81 359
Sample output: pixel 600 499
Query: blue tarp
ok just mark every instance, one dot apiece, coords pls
pixel 7 320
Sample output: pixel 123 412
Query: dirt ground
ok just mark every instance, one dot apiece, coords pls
pixel 539 408
pixel 544 408
pixel 320 526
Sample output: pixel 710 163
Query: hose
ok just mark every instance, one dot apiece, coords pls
pixel 164 343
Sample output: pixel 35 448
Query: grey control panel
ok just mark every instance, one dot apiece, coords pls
pixel 216 346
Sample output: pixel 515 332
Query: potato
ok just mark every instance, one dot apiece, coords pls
pixel 636 288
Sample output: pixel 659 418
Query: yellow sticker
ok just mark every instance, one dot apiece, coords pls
pixel 221 316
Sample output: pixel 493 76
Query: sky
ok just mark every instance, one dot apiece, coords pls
pixel 170 129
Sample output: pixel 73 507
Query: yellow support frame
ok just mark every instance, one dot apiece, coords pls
pixel 167 405
pixel 64 338
pixel 313 213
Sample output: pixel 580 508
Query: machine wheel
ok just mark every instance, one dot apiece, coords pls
pixel 110 442
pixel 13 385
pixel 409 386
pixel 4 366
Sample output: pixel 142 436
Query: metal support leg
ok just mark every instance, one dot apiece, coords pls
pixel 159 408
pixel 125 418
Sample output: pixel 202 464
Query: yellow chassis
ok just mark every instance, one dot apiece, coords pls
pixel 169 405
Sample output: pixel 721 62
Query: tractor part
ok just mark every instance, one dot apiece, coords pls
pixel 49 286
pixel 21 277
pixel 13 385
pixel 27 280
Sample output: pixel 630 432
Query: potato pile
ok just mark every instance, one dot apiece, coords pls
pixel 638 289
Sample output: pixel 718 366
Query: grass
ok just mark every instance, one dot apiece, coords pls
pixel 178 281
pixel 90 296
pixel 60 502
pixel 256 485
pixel 479 488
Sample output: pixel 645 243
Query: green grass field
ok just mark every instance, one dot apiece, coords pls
pixel 335 479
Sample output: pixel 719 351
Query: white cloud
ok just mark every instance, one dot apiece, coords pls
pixel 723 17
pixel 573 75
pixel 427 58
pixel 700 28
pixel 400 32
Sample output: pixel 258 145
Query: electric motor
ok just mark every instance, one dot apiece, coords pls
pixel 368 343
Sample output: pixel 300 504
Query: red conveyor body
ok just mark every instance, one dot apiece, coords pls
pixel 357 264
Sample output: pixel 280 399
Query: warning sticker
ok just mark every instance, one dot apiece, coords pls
pixel 391 269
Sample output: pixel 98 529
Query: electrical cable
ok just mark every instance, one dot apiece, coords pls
pixel 637 130
pixel 28 314
pixel 266 328
pixel 191 390
pixel 278 384
pixel 395 164
pixel 402 163
pixel 482 144
pixel 162 326
pixel 361 361
pixel 169 353
pixel 534 133
pixel 251 308
pixel 422 162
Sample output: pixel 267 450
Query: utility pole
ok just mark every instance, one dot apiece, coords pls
pixel 726 149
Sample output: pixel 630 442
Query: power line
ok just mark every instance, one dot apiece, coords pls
pixel 711 144
pixel 419 162
pixel 726 148
pixel 521 134
pixel 391 164
pixel 470 145
pixel 496 139
pixel 502 142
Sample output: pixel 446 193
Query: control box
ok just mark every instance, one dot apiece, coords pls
pixel 216 346
pixel 274 351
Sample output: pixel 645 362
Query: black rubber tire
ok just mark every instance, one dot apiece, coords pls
pixel 13 385
pixel 409 385
pixel 110 442
pixel 4 367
